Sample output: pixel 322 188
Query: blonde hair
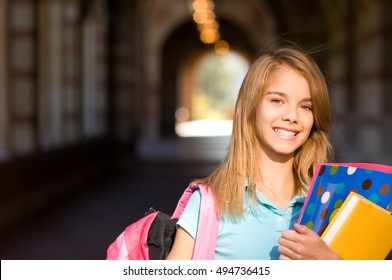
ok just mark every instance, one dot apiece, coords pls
pixel 227 181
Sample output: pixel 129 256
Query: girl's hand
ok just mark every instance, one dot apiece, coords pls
pixel 304 244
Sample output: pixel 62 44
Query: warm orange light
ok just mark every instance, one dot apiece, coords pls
pixel 209 36
pixel 203 5
pixel 204 16
pixel 208 25
pixel 222 47
pixel 200 16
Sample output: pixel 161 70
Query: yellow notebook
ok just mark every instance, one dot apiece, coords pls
pixel 360 230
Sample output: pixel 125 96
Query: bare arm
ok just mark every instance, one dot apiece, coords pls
pixel 183 246
pixel 304 244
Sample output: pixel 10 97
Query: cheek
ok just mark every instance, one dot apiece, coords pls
pixel 260 122
pixel 263 118
pixel 308 123
pixel 266 114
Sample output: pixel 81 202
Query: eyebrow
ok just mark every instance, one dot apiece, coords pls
pixel 285 95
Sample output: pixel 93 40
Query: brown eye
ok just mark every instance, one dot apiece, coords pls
pixel 307 107
pixel 277 101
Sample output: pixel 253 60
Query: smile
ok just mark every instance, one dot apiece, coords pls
pixel 286 133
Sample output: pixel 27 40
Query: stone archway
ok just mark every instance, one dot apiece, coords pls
pixel 168 35
pixel 208 86
pixel 182 45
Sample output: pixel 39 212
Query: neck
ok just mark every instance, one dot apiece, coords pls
pixel 277 182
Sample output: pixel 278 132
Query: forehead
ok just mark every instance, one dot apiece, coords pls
pixel 285 79
pixel 285 72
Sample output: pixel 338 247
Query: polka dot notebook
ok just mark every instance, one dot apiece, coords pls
pixel 332 184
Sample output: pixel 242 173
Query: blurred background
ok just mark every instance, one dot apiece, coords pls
pixel 110 107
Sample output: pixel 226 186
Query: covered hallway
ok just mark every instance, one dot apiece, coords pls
pixel 81 227
pixel 92 93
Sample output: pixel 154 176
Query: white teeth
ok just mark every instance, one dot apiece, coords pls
pixel 285 132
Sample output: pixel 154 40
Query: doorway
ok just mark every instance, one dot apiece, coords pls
pixel 208 87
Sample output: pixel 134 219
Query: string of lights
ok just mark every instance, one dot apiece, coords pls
pixel 208 26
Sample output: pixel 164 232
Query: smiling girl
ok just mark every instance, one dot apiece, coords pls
pixel 280 134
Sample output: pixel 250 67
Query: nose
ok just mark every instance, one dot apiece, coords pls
pixel 290 115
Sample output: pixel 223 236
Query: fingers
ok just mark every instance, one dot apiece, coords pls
pixel 302 229
pixel 284 257
pixel 286 253
pixel 293 235
pixel 288 238
pixel 296 244
pixel 289 244
pixel 303 243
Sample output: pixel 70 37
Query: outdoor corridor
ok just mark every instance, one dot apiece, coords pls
pixel 82 227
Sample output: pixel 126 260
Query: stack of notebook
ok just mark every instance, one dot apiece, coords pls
pixel 347 206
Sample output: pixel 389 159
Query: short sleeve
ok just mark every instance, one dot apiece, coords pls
pixel 189 218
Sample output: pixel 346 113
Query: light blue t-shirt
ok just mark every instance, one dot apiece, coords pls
pixel 254 237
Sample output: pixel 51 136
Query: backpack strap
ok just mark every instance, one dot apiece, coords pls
pixel 207 230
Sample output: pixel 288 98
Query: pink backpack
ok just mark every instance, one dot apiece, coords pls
pixel 152 236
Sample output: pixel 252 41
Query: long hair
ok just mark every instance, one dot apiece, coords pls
pixel 227 181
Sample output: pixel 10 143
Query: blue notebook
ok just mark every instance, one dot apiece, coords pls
pixel 333 182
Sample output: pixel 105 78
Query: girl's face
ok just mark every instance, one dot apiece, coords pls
pixel 284 118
